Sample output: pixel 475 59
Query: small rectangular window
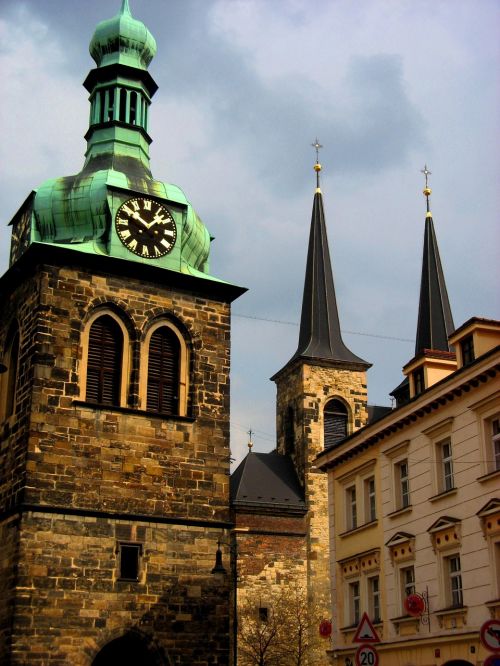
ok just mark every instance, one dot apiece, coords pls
pixel 352 516
pixel 402 484
pixel 407 578
pixel 129 560
pixel 467 348
pixel 354 603
pixel 495 441
pixel 374 600
pixel 454 580
pixel 444 450
pixel 370 503
pixel 418 381
pixel 263 614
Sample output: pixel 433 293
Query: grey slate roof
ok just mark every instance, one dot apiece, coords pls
pixel 320 336
pixel 435 322
pixel 267 480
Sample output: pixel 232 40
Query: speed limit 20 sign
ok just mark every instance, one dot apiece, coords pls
pixel 366 655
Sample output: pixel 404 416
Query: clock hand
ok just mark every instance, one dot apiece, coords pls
pixel 136 216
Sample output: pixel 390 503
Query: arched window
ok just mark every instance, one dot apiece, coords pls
pixel 123 105
pixel 104 361
pixel 163 372
pixel 9 379
pixel 335 418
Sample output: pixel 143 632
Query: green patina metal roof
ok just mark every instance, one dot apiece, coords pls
pixel 122 40
pixel 78 211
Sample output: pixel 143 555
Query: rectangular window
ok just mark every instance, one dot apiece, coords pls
pixel 467 347
pixel 402 484
pixel 446 464
pixel 495 441
pixel 370 507
pixel 263 614
pixel 129 560
pixel 374 598
pixel 354 603
pixel 454 575
pixel 407 581
pixel 418 381
pixel 352 516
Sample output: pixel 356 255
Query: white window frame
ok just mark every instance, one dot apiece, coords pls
pixel 351 506
pixel 453 580
pixel 353 603
pixel 487 412
pixel 370 499
pixel 444 459
pixel 374 598
pixel 406 586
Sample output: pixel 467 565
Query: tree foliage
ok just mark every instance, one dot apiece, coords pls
pixel 277 631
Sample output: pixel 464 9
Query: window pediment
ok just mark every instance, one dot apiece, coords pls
pixel 490 517
pixel 445 533
pixel 401 547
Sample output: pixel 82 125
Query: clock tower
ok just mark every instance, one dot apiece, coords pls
pixel 114 409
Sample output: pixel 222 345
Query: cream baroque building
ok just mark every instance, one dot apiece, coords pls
pixel 415 500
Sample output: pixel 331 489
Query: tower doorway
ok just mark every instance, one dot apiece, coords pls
pixel 130 649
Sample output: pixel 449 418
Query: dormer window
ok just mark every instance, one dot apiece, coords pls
pixel 467 348
pixel 418 381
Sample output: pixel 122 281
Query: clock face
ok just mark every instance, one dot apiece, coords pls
pixel 146 228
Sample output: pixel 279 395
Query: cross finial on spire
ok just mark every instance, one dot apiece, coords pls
pixel 250 443
pixel 317 166
pixel 427 190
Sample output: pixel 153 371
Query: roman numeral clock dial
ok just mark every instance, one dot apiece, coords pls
pixel 146 228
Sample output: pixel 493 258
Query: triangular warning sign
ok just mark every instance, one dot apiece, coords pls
pixel 365 633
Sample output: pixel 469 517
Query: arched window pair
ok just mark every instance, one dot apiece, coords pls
pixel 162 384
pixel 336 419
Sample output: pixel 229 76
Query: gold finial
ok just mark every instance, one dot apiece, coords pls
pixel 427 190
pixel 250 443
pixel 317 166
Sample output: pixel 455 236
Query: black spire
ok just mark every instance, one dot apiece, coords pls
pixel 320 335
pixel 435 321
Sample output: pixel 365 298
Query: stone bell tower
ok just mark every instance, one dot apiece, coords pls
pixel 321 397
pixel 114 409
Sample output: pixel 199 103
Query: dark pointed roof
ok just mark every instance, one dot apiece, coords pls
pixel 435 321
pixel 267 480
pixel 320 336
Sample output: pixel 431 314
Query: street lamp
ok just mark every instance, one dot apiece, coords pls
pixel 220 569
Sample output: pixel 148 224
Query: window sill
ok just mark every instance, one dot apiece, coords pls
pixel 400 512
pixel 490 475
pixel 361 528
pixel 452 618
pixel 130 410
pixel 494 608
pixel 445 493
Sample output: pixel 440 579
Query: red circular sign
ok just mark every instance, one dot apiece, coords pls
pixel 414 604
pixel 492 660
pixel 490 635
pixel 366 655
pixel 325 628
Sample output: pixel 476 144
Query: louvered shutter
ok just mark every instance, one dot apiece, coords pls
pixel 335 422
pixel 163 372
pixel 104 364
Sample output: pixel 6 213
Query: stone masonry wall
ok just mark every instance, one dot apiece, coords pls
pixel 306 388
pixel 70 601
pixel 80 470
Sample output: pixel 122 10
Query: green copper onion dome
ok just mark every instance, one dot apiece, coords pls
pixel 80 211
pixel 122 40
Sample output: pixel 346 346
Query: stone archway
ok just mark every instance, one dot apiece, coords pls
pixel 129 650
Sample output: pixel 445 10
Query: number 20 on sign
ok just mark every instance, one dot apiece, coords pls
pixel 366 655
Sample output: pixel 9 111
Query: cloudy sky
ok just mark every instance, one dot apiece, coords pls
pixel 245 86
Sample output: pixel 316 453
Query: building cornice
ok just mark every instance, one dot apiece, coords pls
pixel 482 370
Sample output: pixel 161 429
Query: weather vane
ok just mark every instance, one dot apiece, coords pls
pixel 317 146
pixel 250 442
pixel 427 190
pixel 426 173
